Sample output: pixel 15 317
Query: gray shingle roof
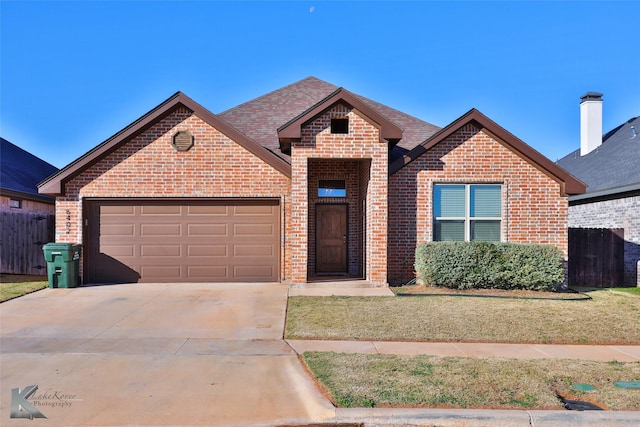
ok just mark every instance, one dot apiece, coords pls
pixel 260 118
pixel 21 171
pixel 615 163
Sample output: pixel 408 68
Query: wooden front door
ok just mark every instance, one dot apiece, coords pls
pixel 331 239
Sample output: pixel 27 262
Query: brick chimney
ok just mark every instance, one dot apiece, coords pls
pixel 590 122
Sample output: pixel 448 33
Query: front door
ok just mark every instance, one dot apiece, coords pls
pixel 331 239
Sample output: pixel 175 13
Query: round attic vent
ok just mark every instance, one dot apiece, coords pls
pixel 182 140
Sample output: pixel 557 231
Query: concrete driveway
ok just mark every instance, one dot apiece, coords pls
pixel 155 354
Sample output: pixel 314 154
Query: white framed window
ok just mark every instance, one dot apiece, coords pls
pixel 15 203
pixel 467 212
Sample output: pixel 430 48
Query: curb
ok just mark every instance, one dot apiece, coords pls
pixel 484 418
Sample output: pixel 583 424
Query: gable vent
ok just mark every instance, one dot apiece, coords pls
pixel 182 140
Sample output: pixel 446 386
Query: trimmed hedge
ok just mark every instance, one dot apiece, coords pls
pixel 467 265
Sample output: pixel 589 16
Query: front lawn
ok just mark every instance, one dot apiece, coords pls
pixel 15 285
pixel 357 380
pixel 610 317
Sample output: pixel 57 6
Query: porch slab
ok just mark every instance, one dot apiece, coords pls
pixel 338 287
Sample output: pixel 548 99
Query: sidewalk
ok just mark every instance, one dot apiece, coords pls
pixel 603 353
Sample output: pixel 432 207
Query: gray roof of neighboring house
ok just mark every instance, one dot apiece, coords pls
pixel 613 166
pixel 260 118
pixel 20 171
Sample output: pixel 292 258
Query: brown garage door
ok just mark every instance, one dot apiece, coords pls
pixel 182 241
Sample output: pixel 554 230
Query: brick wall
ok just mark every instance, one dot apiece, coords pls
pixel 533 210
pixel 149 166
pixel 361 143
pixel 616 213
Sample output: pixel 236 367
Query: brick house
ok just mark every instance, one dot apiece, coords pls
pixel 305 183
pixel 609 165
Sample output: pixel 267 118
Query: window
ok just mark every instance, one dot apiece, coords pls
pixel 332 188
pixel 464 212
pixel 16 204
pixel 340 125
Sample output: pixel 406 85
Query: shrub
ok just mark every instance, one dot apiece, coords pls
pixel 466 265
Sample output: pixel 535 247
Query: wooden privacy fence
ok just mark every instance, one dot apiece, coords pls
pixel 22 237
pixel 596 257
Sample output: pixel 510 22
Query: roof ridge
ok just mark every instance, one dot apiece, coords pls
pixel 252 100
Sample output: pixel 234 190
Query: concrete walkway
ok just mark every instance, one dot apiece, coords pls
pixel 213 354
pixel 604 353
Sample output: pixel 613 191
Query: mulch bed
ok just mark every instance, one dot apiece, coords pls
pixel 418 290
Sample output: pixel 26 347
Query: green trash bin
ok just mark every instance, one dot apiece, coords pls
pixel 63 264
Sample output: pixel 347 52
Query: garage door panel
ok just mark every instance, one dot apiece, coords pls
pixel 265 210
pixel 253 271
pixel 160 230
pixel 253 250
pixel 219 230
pixel 207 250
pixel 253 230
pixel 161 272
pixel 160 210
pixel 114 230
pixel 211 273
pixel 117 210
pixel 207 210
pixel 181 241
pixel 160 250
pixel 119 251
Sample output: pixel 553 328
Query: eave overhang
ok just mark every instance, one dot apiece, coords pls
pixel 54 185
pixel 569 185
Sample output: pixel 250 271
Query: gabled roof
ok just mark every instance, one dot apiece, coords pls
pixel 614 166
pixel 568 183
pixel 21 171
pixel 261 117
pixel 54 185
pixel 292 130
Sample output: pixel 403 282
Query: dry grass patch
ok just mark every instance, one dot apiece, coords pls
pixel 16 285
pixel 357 380
pixel 608 318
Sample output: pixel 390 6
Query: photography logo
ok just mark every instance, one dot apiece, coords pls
pixel 21 407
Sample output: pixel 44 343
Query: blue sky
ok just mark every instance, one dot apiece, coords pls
pixel 74 73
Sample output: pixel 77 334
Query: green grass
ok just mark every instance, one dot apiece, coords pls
pixel 357 380
pixel 610 317
pixel 634 291
pixel 16 285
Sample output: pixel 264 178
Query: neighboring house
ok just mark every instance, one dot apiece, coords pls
pixel 27 217
pixel 305 183
pixel 609 165
pixel 20 173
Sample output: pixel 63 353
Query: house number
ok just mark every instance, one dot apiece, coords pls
pixel 68 212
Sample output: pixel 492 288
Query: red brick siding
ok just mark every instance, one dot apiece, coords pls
pixel 362 142
pixel 149 166
pixel 533 210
